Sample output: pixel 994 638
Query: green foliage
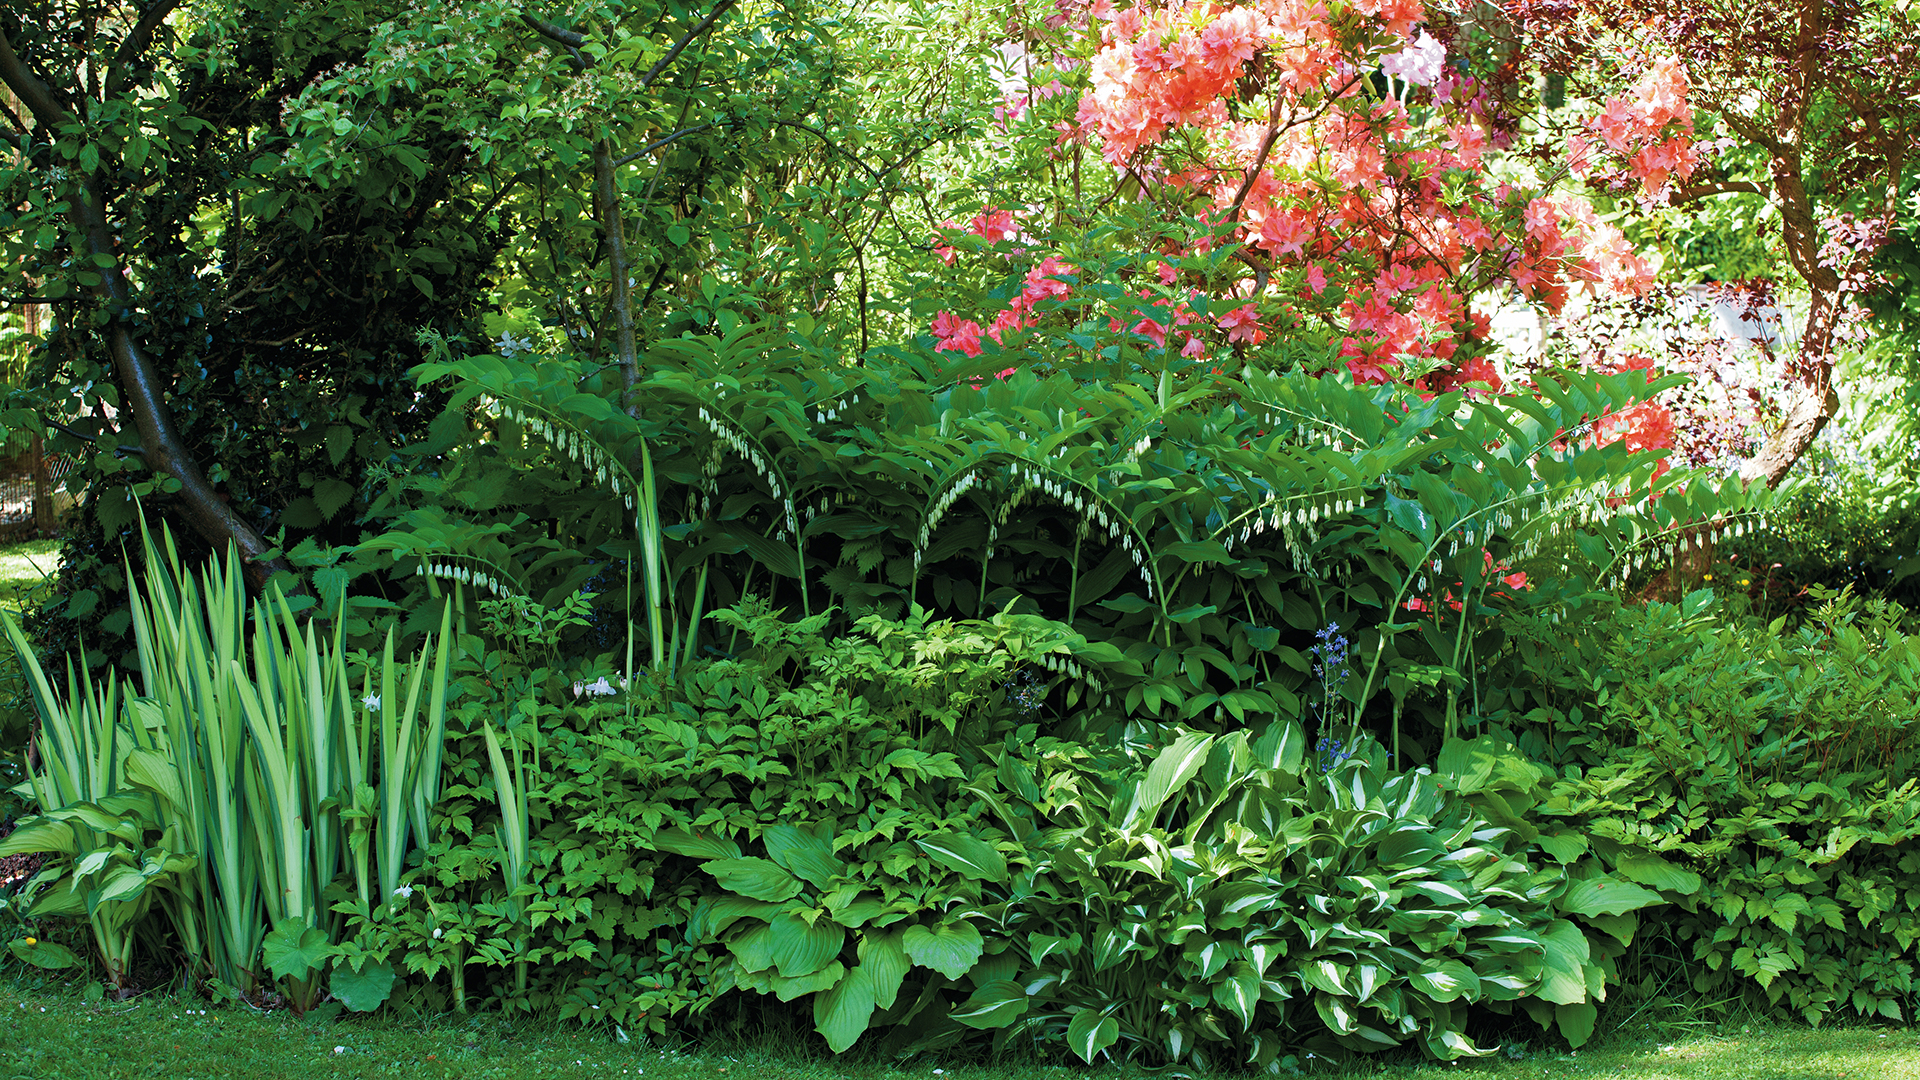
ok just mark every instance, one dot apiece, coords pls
pixel 230 792
pixel 1235 901
pixel 1206 526
pixel 869 825
pixel 1765 781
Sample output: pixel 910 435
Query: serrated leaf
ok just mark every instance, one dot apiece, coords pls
pixel 295 950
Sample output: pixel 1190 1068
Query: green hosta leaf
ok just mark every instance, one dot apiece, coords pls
pixel 695 845
pixel 1576 1021
pixel 713 914
pixel 758 879
pixel 787 989
pixel 797 948
pixel 840 1014
pixel 1659 873
pixel 994 1005
pixel 295 950
pixel 949 949
pixel 364 990
pixel 1605 895
pixel 42 835
pixel 1325 975
pixel 1563 974
pixel 44 954
pixel 1090 1033
pixel 884 959
pixel 1239 994
pixel 969 855
pixel 1564 847
pixel 807 856
pixel 1170 771
pixel 1448 980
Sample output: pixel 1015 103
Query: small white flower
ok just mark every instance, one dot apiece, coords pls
pixel 371 701
pixel 436 933
pixel 404 892
pixel 600 687
pixel 339 1049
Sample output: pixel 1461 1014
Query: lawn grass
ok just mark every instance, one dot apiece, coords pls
pixel 49 1033
pixel 25 567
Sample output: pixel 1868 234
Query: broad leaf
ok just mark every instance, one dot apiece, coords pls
pixel 797 948
pixel 969 855
pixel 1089 1033
pixel 1605 895
pixel 840 1013
pixel 364 990
pixel 994 1005
pixel 757 879
pixel 950 949
pixel 295 950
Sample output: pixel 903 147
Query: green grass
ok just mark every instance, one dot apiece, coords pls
pixel 24 567
pixel 48 1033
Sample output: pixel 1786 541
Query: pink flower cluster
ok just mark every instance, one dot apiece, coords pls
pixel 1649 131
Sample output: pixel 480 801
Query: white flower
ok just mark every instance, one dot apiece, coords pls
pixel 1419 63
pixel 339 1049
pixel 404 892
pixel 371 701
pixel 600 687
pixel 436 933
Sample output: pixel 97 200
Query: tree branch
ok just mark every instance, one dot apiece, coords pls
pixel 628 159
pixel 136 42
pixel 686 39
pixel 34 94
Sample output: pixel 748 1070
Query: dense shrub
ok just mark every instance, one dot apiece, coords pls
pixel 1776 772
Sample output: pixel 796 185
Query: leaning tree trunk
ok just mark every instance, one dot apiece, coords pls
pixel 143 388
pixel 1814 400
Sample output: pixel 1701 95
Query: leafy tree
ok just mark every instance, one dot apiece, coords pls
pixel 1806 104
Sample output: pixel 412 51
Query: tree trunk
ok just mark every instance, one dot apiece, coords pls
pixel 1814 402
pixel 144 391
